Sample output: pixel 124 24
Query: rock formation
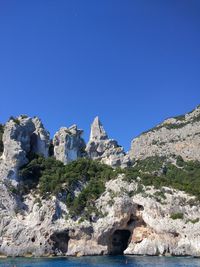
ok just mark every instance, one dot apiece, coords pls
pixel 40 139
pixel 68 144
pixel 100 147
pixel 132 218
pixel 137 224
pixel 21 136
pixel 175 136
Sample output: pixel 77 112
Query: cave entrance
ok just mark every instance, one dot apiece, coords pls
pixel 119 242
pixel 60 242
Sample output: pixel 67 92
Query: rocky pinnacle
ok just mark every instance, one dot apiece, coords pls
pixel 97 131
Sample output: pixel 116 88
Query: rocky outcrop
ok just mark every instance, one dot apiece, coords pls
pixel 68 144
pixel 131 223
pixel 40 139
pixel 174 137
pixel 21 136
pixel 131 218
pixel 100 147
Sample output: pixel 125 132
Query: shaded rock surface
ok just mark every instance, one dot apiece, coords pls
pixel 21 136
pixel 100 147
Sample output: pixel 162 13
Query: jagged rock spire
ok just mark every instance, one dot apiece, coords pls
pixel 97 131
pixel 104 149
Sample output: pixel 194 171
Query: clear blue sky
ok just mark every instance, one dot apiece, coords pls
pixel 132 62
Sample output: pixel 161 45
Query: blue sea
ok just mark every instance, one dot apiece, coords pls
pixel 101 261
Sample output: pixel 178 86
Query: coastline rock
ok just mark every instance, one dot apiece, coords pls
pixel 131 218
pixel 134 225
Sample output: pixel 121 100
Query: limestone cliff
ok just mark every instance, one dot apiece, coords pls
pixel 68 144
pixel 175 136
pixel 133 223
pixel 87 208
pixel 21 137
pixel 100 147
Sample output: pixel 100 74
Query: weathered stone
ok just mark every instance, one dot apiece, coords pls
pixel 40 139
pixel 22 136
pixel 129 222
pixel 68 144
pixel 174 137
pixel 142 225
pixel 100 147
pixel 97 131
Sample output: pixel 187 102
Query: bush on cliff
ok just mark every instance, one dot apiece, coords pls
pixel 51 177
pixel 81 182
pixel 158 172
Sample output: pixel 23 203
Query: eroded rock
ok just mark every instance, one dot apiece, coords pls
pixel 68 144
pixel 21 136
pixel 179 136
pixel 100 147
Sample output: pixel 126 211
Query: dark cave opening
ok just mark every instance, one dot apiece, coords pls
pixel 119 242
pixel 60 242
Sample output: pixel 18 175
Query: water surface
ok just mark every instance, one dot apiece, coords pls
pixel 101 261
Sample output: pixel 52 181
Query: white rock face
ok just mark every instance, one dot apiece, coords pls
pixel 129 221
pixel 40 139
pixel 102 148
pixel 68 144
pixel 41 228
pixel 97 131
pixel 175 136
pixel 21 136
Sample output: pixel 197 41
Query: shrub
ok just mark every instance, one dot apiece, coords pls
pixel 160 194
pixel 52 177
pixel 175 216
pixel 16 120
pixel 180 117
pixel 185 178
pixel 23 116
pixel 179 161
pixel 193 221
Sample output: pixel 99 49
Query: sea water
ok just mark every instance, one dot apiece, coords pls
pixel 101 261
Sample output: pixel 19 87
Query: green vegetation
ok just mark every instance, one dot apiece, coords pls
pixel 158 173
pixel 1 137
pixel 170 126
pixel 196 118
pixel 180 117
pixel 193 221
pixel 176 125
pixel 80 183
pixel 176 216
pixel 23 116
pixel 151 164
pixel 50 177
pixel 16 120
pixel 160 195
pixel 179 161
